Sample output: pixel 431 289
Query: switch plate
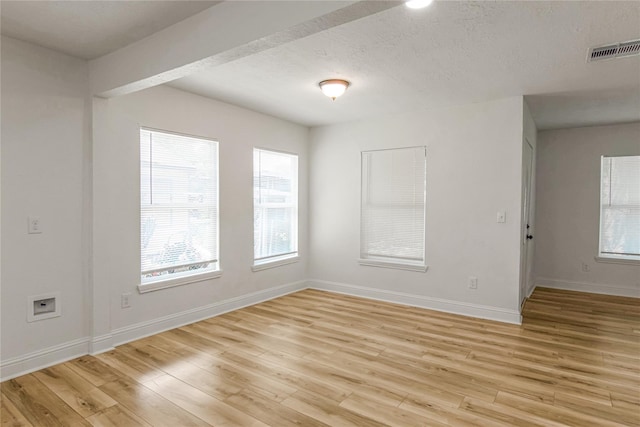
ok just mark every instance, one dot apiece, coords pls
pixel 34 226
pixel 501 217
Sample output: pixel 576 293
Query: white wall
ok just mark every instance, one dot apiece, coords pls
pixel 567 213
pixel 74 162
pixel 473 171
pixel 116 200
pixel 43 138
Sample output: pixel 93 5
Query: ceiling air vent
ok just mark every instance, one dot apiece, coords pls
pixel 617 50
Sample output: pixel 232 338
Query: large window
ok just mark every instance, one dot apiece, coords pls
pixel 275 207
pixel 393 208
pixel 179 206
pixel 620 208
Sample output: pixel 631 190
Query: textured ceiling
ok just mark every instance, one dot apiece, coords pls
pixel 89 29
pixel 571 109
pixel 451 53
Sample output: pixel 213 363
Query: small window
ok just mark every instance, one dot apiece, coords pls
pixel 620 208
pixel 275 208
pixel 178 206
pixel 393 199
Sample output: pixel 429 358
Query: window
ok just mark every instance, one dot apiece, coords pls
pixel 178 207
pixel 393 208
pixel 620 208
pixel 275 208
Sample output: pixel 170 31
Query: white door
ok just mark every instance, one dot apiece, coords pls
pixel 527 230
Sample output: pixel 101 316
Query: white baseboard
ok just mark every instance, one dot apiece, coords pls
pixel 101 344
pixel 438 304
pixel 41 359
pixel 17 366
pixel 595 288
pixel 155 326
pixel 31 362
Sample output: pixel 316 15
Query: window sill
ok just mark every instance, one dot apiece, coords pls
pixel 275 263
pixel 617 260
pixel 397 265
pixel 178 281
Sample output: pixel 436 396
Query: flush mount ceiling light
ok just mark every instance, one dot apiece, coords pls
pixel 333 88
pixel 418 4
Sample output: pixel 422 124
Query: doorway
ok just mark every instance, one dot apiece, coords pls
pixel 526 252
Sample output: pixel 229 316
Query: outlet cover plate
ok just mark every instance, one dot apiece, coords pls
pixel 34 226
pixel 125 300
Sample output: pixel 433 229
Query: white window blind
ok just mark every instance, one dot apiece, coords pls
pixel 393 205
pixel 620 207
pixel 275 205
pixel 179 205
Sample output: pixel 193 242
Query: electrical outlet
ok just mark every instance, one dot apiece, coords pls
pixel 125 300
pixel 473 282
pixel 586 267
pixel 33 225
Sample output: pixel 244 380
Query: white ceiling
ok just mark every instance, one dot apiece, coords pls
pixel 452 53
pixel 449 54
pixel 89 29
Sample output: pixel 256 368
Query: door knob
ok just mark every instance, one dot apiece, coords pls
pixel 529 236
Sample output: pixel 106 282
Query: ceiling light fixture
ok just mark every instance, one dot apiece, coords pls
pixel 333 88
pixel 418 4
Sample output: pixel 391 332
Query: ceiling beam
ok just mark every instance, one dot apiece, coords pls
pixel 225 32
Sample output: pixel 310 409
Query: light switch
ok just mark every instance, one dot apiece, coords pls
pixel 502 216
pixel 34 226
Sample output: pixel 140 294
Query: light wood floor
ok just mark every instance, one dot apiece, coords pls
pixel 315 358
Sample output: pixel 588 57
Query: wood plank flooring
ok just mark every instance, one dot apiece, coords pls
pixel 320 359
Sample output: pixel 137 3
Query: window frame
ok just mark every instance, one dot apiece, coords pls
pixel 605 257
pixel 391 262
pixel 278 260
pixel 190 276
